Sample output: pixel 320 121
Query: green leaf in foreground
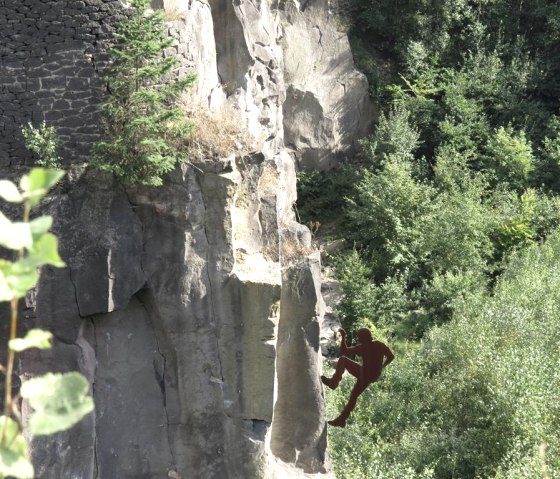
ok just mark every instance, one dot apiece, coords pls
pixel 9 192
pixel 45 251
pixel 39 226
pixel 16 279
pixel 38 182
pixel 35 338
pixel 13 452
pixel 59 401
pixel 14 235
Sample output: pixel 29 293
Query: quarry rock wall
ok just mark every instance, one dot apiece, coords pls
pixel 192 309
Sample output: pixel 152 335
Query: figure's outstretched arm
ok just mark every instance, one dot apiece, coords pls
pixel 389 356
pixel 343 345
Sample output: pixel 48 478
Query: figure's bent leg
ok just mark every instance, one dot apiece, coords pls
pixel 358 389
pixel 344 364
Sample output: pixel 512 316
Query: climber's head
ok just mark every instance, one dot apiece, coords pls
pixel 364 335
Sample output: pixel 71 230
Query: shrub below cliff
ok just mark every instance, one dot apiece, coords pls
pixel 478 398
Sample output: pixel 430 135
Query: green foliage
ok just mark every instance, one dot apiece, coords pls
pixel 141 123
pixel 368 63
pixel 459 106
pixel 59 401
pixel 437 299
pixel 510 157
pixel 35 338
pixel 435 243
pixel 521 220
pixel 478 398
pixel 43 143
pixel 17 277
pixel 319 193
pixel 388 215
pixel 36 184
pixel 394 138
pixel 13 451
pixel 456 190
pixel 438 231
pixel 365 304
pixel 547 168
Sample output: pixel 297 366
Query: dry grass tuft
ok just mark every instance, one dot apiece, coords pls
pixel 216 134
pixel 268 182
pixel 292 250
pixel 174 14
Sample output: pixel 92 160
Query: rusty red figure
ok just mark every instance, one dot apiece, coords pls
pixel 375 356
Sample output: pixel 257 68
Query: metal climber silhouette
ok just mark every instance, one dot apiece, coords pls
pixel 375 356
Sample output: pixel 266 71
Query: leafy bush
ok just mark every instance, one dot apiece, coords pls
pixel 394 138
pixel 388 215
pixel 43 143
pixel 510 156
pixel 478 398
pixel 437 299
pixel 368 63
pixel 405 224
pixel 140 120
pixel 320 193
pixel 365 304
pixel 456 216
pixel 547 172
pixel 460 177
pixel 522 220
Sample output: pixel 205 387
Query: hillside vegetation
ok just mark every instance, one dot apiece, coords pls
pixel 451 209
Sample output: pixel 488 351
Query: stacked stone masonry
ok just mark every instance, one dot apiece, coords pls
pixel 52 54
pixel 48 54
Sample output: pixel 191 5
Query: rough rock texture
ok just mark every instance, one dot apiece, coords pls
pixel 327 106
pixel 193 309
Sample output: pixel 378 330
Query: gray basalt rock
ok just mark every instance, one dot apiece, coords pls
pixel 192 309
pixel 327 105
pixel 299 433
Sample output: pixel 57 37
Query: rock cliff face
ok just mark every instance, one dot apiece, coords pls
pixel 194 309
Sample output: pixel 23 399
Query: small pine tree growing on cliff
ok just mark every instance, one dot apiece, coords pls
pixel 139 118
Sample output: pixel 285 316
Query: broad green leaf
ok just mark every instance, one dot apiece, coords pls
pixel 37 183
pixel 35 338
pixel 16 280
pixel 59 401
pixel 14 235
pixel 45 251
pixel 9 192
pixel 39 226
pixel 14 460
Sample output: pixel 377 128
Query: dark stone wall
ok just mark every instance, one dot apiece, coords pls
pixel 50 57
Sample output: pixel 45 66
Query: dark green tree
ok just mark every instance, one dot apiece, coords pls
pixel 140 119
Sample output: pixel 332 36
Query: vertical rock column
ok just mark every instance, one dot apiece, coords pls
pixel 299 427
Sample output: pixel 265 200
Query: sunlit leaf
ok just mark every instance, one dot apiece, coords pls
pixel 39 226
pixel 59 401
pixel 14 235
pixel 9 192
pixel 45 251
pixel 16 280
pixel 35 338
pixel 14 461
pixel 38 182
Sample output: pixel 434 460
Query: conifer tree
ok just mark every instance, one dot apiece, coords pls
pixel 140 120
